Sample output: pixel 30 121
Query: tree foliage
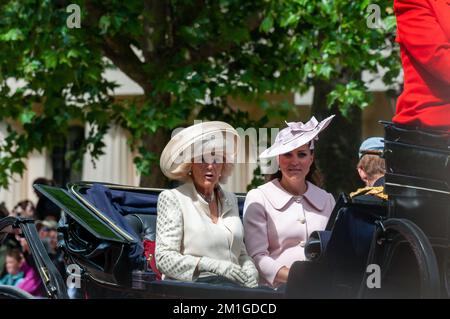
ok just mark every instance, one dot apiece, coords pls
pixel 187 55
pixel 330 43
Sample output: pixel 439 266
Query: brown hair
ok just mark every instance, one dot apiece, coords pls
pixel 314 175
pixel 15 253
pixel 372 165
pixel 24 206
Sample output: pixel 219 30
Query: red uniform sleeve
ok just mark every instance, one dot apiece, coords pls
pixel 419 31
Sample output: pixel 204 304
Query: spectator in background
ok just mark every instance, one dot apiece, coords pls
pixel 44 226
pixel 45 208
pixel 9 241
pixel 47 231
pixel 24 208
pixel 3 210
pixel 14 262
pixel 31 282
pixel 3 213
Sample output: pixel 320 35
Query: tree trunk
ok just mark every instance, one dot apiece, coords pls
pixel 155 144
pixel 337 148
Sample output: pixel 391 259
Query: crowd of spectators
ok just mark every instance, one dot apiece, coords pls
pixel 17 266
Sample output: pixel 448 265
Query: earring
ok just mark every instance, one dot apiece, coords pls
pixel 190 173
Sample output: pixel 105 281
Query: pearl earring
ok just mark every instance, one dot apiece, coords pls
pixel 190 173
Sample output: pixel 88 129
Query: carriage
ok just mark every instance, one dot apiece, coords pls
pixel 409 241
pixel 410 232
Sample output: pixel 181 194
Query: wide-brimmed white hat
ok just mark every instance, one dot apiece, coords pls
pixel 192 143
pixel 296 135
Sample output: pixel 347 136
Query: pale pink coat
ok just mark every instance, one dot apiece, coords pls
pixel 277 225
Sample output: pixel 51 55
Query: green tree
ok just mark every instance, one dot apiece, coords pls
pixel 188 56
pixel 331 43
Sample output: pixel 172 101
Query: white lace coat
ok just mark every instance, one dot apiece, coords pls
pixel 185 233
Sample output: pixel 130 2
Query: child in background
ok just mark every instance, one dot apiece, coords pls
pixel 14 274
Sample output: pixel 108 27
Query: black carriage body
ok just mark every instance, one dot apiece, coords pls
pixel 101 247
pixel 411 231
pixel 418 186
pixel 89 238
pixel 418 179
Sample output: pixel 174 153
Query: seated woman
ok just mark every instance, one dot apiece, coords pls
pixel 199 235
pixel 280 215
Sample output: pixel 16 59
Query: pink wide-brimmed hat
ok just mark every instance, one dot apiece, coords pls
pixel 296 135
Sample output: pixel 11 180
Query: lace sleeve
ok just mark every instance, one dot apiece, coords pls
pixel 169 237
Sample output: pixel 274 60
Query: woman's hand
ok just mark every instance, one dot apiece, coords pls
pixel 251 282
pixel 249 268
pixel 282 275
pixel 223 268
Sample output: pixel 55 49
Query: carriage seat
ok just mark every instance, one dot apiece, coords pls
pixel 143 224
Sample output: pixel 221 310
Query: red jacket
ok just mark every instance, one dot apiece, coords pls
pixel 423 32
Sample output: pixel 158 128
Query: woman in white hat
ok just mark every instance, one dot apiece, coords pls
pixel 280 215
pixel 199 235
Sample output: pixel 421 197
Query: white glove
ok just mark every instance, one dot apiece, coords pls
pixel 223 268
pixel 248 267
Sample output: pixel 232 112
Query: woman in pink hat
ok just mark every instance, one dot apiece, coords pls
pixel 280 215
pixel 199 235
